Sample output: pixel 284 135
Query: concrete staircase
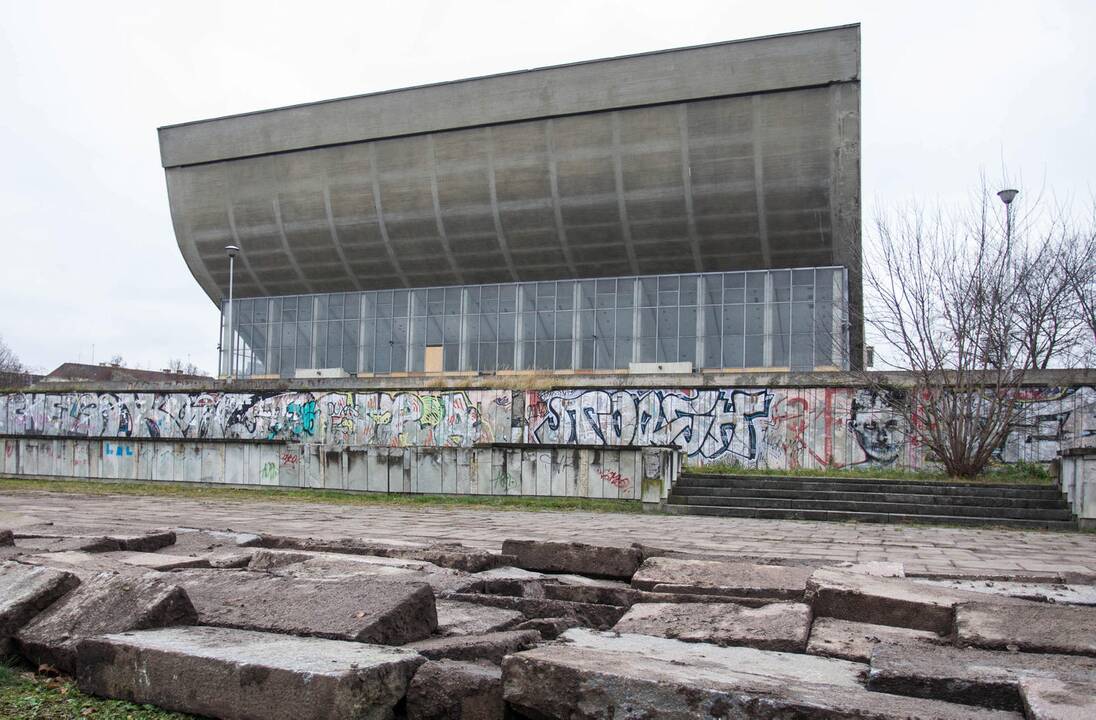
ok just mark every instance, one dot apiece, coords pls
pixel 870 500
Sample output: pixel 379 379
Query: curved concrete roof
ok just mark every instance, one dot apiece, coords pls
pixel 727 156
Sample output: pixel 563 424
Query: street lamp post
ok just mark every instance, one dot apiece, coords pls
pixel 1007 196
pixel 232 251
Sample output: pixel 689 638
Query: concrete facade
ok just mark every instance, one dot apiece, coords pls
pixel 732 156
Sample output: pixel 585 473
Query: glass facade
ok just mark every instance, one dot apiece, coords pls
pixel 791 319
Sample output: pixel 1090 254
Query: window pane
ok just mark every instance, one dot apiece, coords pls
pixel 603 326
pixel 452 301
pixel 563 355
pixel 648 292
pixel 666 350
pixel 732 351
pixel 399 357
pixel 802 317
pixel 353 306
pixel 780 345
pixel 624 323
pixel 712 291
pixel 487 357
pixel 262 311
pixel 755 287
pixel 625 294
pixel 823 285
pixel 687 321
pixel 370 304
pixel 603 348
pixel 350 359
pixel 802 351
pixel 334 307
pixel 506 356
pixel 304 308
pixel 647 323
pixel 545 326
pixel 565 296
pixel 713 358
pixel 564 325
pixel 688 290
pixel 646 350
pixel 289 309
pixel 451 329
pixel 755 319
pixel 586 355
pixel 243 312
pixel 713 320
pixel 667 322
pixel 755 351
pixel 782 320
pixel 528 329
pixel 623 352
pixel 686 351
pixel 489 299
pixel 508 299
pixel 506 326
pixel 528 356
pixel 451 358
pixel 400 300
pixel 488 327
pixel 782 285
pixel 472 300
pixel 586 295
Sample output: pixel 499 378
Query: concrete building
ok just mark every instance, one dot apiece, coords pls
pixel 698 205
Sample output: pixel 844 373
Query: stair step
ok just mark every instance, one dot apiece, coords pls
pixel 842 516
pixel 1061 513
pixel 868 485
pixel 1054 503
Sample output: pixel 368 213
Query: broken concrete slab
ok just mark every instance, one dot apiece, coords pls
pixel 663 574
pixel 1039 628
pixel 84 565
pixel 193 541
pixel 966 675
pixel 571 557
pixel 69 544
pixel 549 628
pixel 103 604
pixel 118 538
pixel 887 601
pixel 25 591
pixel 1064 593
pixel 875 568
pixel 450 555
pixel 601 617
pixel 453 690
pixel 778 626
pixel 243 675
pixel 601 675
pixel 854 641
pixel 490 647
pixel 386 613
pixel 334 566
pixel 229 558
pixel 1049 699
pixel 463 618
pixel 155 561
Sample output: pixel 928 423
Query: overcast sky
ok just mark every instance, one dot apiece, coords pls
pixel 87 252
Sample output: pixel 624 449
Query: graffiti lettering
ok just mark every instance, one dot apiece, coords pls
pixel 616 480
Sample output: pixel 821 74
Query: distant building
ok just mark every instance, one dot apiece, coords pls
pixel 105 372
pixel 18 379
pixel 697 206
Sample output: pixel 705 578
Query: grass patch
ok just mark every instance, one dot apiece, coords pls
pixel 1003 474
pixel 26 695
pixel 327 497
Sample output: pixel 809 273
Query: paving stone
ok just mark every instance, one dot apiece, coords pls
pixel 155 561
pixel 664 574
pixel 85 565
pixel 328 566
pixel 7 537
pixel 603 676
pixel 1048 699
pixel 192 541
pixel 69 544
pixel 966 675
pixel 874 568
pixel 464 618
pixel 242 675
pixel 1041 628
pixel 887 601
pixel 101 605
pixel 1071 594
pixel 25 591
pixel 601 617
pixel 778 626
pixel 388 613
pixel 549 628
pixel 491 647
pixel 572 557
pixel 230 558
pixel 452 690
pixel 855 641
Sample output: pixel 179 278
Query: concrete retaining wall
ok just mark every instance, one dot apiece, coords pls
pixel 1077 475
pixel 767 427
pixel 629 474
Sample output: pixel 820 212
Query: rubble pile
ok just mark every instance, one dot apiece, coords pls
pixel 262 627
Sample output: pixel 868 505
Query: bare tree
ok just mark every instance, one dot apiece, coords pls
pixel 117 360
pixel 9 361
pixel 1080 274
pixel 187 368
pixel 945 292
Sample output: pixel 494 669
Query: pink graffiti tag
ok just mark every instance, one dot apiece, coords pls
pixel 616 479
pixel 290 459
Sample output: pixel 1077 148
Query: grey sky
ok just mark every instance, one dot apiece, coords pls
pixel 88 253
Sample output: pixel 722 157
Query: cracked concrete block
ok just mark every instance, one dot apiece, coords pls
pixel 101 605
pixel 463 618
pixel 25 591
pixel 854 641
pixel 778 626
pixel 244 675
pixel 1038 628
pixel 887 601
pixel 601 617
pixel 1050 699
pixel 332 566
pixel 966 675
pixel 490 647
pixel 602 676
pixel 452 690
pixel 778 582
pixel 571 557
pixel 549 628
pixel 388 613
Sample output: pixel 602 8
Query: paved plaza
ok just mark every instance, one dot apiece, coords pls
pixel 932 550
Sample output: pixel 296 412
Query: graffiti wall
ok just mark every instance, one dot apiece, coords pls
pixel 401 419
pixel 787 428
pixel 757 427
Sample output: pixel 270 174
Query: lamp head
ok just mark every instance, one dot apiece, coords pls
pixel 1007 196
pixel 232 250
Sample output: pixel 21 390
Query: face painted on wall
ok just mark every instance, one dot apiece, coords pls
pixel 878 430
